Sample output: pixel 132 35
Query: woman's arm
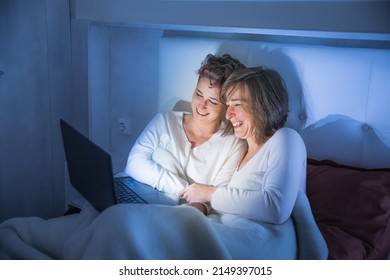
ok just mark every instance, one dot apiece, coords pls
pixel 141 165
pixel 272 198
pixel 231 154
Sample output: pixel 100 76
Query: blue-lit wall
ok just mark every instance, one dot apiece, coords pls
pixel 94 61
pixel 35 86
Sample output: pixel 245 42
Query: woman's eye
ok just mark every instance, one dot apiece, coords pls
pixel 198 94
pixel 234 104
pixel 213 102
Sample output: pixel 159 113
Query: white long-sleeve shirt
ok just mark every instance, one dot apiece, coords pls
pixel 265 189
pixel 212 162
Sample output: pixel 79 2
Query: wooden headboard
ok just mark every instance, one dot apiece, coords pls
pixel 339 97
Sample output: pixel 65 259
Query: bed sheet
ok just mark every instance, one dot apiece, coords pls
pixel 133 231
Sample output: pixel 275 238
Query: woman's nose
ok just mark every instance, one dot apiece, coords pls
pixel 203 103
pixel 229 112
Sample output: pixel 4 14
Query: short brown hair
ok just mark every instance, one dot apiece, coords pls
pixel 268 98
pixel 218 68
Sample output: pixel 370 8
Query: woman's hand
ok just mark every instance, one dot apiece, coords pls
pixel 197 193
pixel 200 206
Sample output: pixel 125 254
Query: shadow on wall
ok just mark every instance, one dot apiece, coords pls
pixel 251 54
pixel 347 141
pixel 182 106
pixel 337 137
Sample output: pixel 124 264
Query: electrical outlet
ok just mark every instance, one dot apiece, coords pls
pixel 124 126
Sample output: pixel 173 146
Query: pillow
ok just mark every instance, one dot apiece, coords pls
pixel 352 209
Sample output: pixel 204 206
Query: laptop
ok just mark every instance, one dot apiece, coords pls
pixel 90 173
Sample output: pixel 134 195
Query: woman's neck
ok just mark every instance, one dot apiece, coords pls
pixel 197 133
pixel 253 148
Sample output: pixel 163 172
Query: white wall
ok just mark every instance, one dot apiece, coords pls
pixel 122 32
pixel 123 84
pixel 338 97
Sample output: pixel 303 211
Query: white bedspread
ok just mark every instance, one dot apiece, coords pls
pixel 130 231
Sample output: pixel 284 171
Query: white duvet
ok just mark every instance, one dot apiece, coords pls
pixel 132 231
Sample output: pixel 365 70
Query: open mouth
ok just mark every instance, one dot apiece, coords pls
pixel 200 113
pixel 237 124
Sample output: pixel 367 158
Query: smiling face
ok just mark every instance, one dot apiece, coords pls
pixel 236 113
pixel 206 102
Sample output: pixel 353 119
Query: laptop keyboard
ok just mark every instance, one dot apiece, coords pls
pixel 124 194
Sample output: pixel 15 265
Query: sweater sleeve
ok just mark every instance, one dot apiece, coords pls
pixel 271 198
pixel 140 164
pixel 232 155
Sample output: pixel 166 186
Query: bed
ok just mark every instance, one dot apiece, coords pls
pixel 339 105
pixel 351 208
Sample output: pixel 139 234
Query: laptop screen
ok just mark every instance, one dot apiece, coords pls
pixel 89 167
